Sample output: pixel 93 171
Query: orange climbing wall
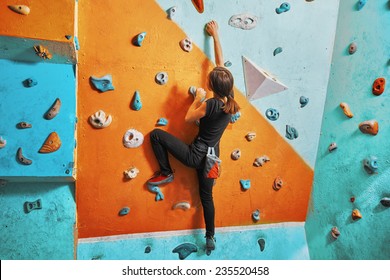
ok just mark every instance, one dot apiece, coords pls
pixel 101 190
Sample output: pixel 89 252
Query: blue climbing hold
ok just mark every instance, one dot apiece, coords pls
pixel 272 114
pixel 303 100
pixel 124 211
pixel 185 249
pixel 136 103
pixel 35 205
pixel 291 132
pixel 284 7
pixel 277 50
pixel 361 4
pixel 162 122
pixel 235 117
pixel 157 191
pixel 138 39
pixel 30 82
pixel 102 84
pixel 256 215
pixel 245 184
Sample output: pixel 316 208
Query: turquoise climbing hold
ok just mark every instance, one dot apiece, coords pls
pixel 284 7
pixel 102 84
pixel 138 39
pixel 256 215
pixel 30 82
pixel 272 114
pixel 277 50
pixel 148 249
pixel 185 249
pixel 245 184
pixel 235 117
pixel 136 103
pixel 361 4
pixel 227 64
pixel 291 132
pixel 34 205
pixel 157 191
pixel 124 211
pixel 162 122
pixel 303 100
pixel 370 164
pixel 76 43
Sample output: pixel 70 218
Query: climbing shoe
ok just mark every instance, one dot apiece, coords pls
pixel 210 243
pixel 159 179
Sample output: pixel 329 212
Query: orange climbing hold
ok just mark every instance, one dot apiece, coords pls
pixel 198 5
pixel 369 127
pixel 379 86
pixel 346 109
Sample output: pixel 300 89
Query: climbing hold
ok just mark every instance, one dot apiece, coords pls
pixel 76 43
pixel 250 136
pixel 136 103
pixel 361 4
pixel 124 211
pixel 51 144
pixel 161 78
pixel 148 249
pixel 243 21
pixel 184 205
pixel 42 52
pixel 192 90
pixel 352 199
pixel 346 109
pixel 245 184
pixel 303 101
pixel 236 154
pixel 3 142
pixel 171 12
pixel 162 122
pixel 284 7
pixel 133 138
pixel 369 127
pixel 34 205
pixel 20 9
pixel 157 191
pixel 379 86
pixel 23 125
pixel 100 120
pixel 199 6
pixel 186 44
pixel 278 50
pixel 370 165
pixel 138 39
pixel 102 84
pixel 131 173
pixel 54 110
pixel 291 132
pixel 278 183
pixel 332 147
pixel 68 37
pixel 356 215
pixel 185 249
pixel 335 232
pixel 256 215
pixel 272 114
pixel 260 161
pixel 261 243
pixel 385 201
pixel 21 158
pixel 352 48
pixel 235 117
pixel 30 82
pixel 228 64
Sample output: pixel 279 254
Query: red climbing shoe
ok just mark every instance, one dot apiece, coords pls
pixel 159 179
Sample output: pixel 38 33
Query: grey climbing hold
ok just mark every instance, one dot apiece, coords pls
pixel 256 215
pixel 161 78
pixel 192 91
pixel 303 100
pixel 136 103
pixel 261 243
pixel 385 201
pixel 138 39
pixel 148 249
pixel 272 114
pixel 243 21
pixel 332 147
pixel 185 249
pixel 102 84
pixel 171 12
pixel 260 161
pixel 278 50
pixel 291 132
pixel 23 125
pixel 22 159
pixel 34 205
pixel 245 184
pixel 124 211
pixel 370 164
pixel 30 82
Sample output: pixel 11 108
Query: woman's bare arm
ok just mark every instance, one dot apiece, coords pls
pixel 212 30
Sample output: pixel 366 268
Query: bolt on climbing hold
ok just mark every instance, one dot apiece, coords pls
pixel 272 114
pixel 138 39
pixel 186 44
pixel 291 132
pixel 284 7
pixel 256 215
pixel 260 161
pixel 42 52
pixel 352 48
pixel 352 199
pixel 235 117
pixel 199 6
pixel 261 243
pixel 102 84
pixel 124 211
pixel 171 12
pixel 369 127
pixel 243 21
pixel 236 154
pixel 34 205
pixel 68 37
pixel 136 103
pixel 157 191
pixel 51 144
pixel 335 232
pixel 53 110
pixel 185 249
pixel 100 120
pixel 161 78
pixel 245 184
pixel 22 159
pixel 356 215
pixel 131 173
pixel 20 9
pixel 3 142
pixel 332 147
pixel 184 205
pixel 278 183
pixel 370 164
pixel 192 90
pixel 250 136
pixel 278 50
pixel 361 4
pixel 303 101
pixel 227 63
pixel 133 138
pixel 30 82
pixel 23 125
pixel 346 109
pixel 162 122
pixel 379 86
pixel 148 249
pixel 385 201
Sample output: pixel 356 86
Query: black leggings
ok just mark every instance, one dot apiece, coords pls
pixel 192 155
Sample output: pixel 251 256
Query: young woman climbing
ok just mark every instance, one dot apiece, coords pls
pixel 214 115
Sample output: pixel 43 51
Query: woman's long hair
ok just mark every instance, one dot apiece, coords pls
pixel 221 83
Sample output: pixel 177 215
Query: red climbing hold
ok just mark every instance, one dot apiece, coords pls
pixel 379 86
pixel 198 5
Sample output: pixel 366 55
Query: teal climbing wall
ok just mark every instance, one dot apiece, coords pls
pixel 339 176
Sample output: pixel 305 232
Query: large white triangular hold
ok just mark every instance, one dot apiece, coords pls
pixel 258 82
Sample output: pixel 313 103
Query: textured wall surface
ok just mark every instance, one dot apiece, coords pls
pixel 339 175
